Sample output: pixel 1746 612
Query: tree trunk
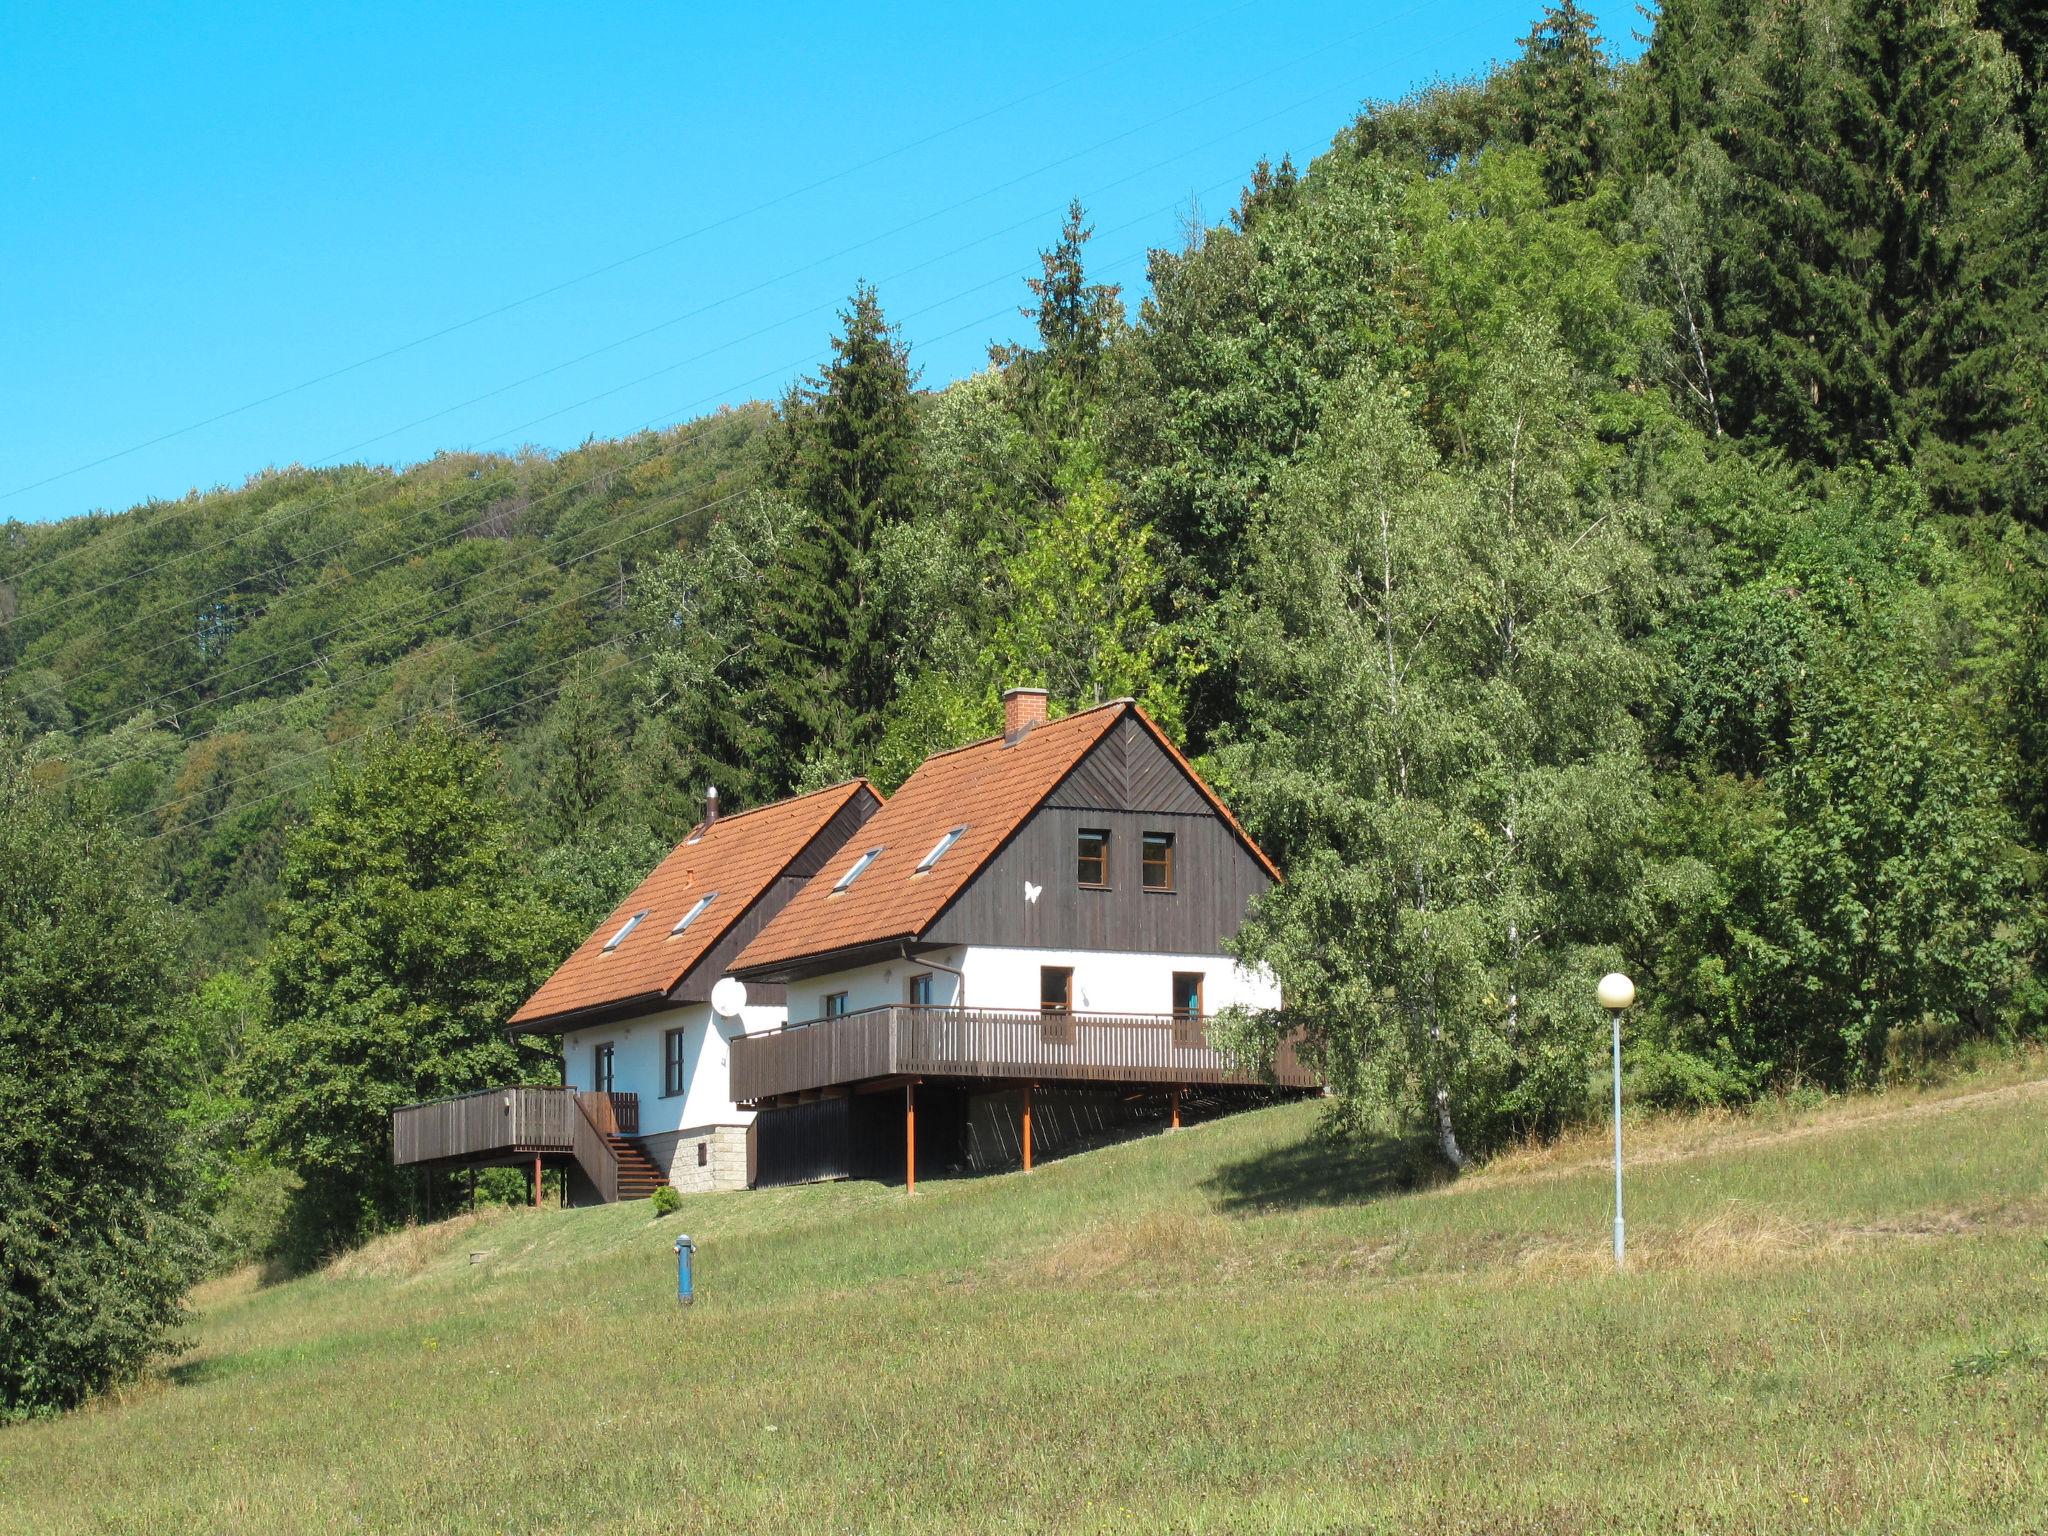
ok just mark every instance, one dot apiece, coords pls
pixel 1446 1134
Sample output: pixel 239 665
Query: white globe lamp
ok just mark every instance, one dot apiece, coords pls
pixel 1616 993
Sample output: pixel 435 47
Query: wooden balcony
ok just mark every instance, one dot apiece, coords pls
pixel 901 1040
pixel 516 1125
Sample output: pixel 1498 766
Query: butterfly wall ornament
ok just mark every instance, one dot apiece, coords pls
pixel 1031 891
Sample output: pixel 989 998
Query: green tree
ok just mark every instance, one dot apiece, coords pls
pixel 98 1240
pixel 1563 89
pixel 1843 852
pixel 403 939
pixel 1437 684
pixel 848 459
pixel 1077 322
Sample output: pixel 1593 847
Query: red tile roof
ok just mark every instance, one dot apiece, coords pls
pixel 739 857
pixel 989 786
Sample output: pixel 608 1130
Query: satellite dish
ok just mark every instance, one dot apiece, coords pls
pixel 728 997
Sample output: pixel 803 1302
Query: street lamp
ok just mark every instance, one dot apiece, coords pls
pixel 1616 992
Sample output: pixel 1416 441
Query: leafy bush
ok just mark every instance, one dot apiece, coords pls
pixel 665 1200
pixel 97 1240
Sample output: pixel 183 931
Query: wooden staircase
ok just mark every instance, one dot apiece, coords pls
pixel 639 1175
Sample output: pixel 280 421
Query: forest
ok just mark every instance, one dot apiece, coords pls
pixel 1595 515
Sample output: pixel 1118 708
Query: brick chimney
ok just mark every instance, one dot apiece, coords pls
pixel 1022 709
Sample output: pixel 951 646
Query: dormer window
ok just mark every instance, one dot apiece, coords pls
pixel 619 938
pixel 939 848
pixel 859 867
pixel 693 914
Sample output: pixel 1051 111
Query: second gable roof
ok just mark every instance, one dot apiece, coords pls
pixel 738 856
pixel 988 787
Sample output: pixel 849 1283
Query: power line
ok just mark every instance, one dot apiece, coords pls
pixel 1148 46
pixel 264 526
pixel 1051 165
pixel 707 506
pixel 106 769
pixel 439 613
pixel 329 748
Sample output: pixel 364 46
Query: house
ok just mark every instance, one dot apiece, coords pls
pixel 645 1030
pixel 1027 939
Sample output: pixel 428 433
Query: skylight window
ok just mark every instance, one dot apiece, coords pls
pixel 619 938
pixel 693 914
pixel 939 850
pixel 859 865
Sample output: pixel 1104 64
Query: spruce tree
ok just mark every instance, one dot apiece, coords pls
pixel 847 456
pixel 1798 340
pixel 1076 319
pixel 1564 91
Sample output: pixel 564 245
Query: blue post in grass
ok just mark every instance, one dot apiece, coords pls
pixel 686 1281
pixel 1616 993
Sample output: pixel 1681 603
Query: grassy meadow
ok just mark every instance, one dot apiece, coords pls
pixel 1836 1319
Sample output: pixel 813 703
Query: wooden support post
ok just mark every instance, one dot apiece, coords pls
pixel 910 1138
pixel 1176 1106
pixel 1027 1127
pixel 536 1181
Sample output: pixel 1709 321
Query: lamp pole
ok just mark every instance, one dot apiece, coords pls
pixel 1616 993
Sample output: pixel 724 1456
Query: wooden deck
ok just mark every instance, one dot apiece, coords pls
pixel 513 1125
pixel 904 1041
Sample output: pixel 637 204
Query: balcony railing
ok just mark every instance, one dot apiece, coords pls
pixel 507 1123
pixel 908 1040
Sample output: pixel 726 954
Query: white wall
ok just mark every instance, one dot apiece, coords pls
pixel 637 1059
pixel 870 986
pixel 1105 981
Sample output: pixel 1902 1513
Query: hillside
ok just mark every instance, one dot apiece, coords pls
pixel 1593 516
pixel 1833 1322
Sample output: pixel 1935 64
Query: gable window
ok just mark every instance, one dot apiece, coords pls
pixel 1187 1008
pixel 939 850
pixel 619 938
pixel 859 866
pixel 672 1059
pixel 1056 1003
pixel 693 914
pixel 1158 861
pixel 835 1005
pixel 921 990
pixel 1094 857
pixel 601 1067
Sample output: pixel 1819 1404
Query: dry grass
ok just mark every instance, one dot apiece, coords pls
pixel 1833 1321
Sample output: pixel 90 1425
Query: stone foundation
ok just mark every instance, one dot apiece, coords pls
pixel 720 1164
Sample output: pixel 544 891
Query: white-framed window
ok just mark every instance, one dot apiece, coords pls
pixel 693 914
pixel 619 938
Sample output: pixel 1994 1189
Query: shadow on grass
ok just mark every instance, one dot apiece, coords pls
pixel 1319 1170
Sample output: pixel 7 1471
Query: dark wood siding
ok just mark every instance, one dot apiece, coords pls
pixel 1214 881
pixel 1126 771
pixel 695 987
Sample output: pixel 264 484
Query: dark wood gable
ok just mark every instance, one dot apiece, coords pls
pixel 1127 771
pixel 1127 785
pixel 696 984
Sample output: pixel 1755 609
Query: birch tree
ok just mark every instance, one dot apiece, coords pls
pixel 1438 742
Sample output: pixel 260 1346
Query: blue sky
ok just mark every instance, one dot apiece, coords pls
pixel 561 222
